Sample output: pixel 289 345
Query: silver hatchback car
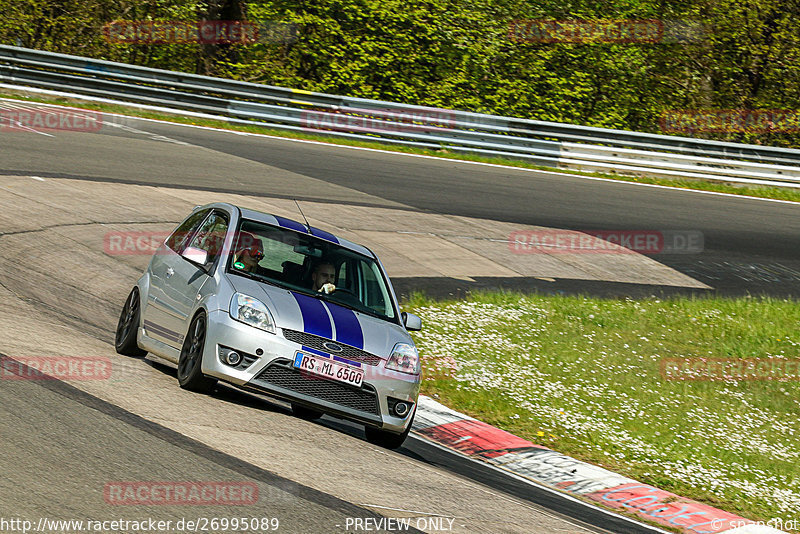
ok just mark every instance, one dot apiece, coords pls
pixel 278 307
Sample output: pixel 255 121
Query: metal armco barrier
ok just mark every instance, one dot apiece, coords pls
pixel 557 145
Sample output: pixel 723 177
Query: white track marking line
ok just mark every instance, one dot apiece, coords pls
pixel 28 128
pixel 154 137
pixel 15 105
pixel 446 160
pixel 544 487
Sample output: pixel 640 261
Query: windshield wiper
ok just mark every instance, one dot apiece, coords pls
pixel 246 275
pixel 258 278
pixel 327 298
pixel 364 310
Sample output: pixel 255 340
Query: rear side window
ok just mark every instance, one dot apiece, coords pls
pixel 180 237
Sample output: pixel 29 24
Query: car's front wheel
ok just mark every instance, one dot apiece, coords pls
pixel 190 374
pixel 386 439
pixel 305 413
pixel 128 324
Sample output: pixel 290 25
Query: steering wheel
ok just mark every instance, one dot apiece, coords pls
pixel 347 296
pixel 345 290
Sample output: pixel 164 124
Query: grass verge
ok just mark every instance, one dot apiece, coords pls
pixel 584 376
pixel 778 193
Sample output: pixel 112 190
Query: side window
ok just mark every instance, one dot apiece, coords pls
pixel 342 280
pixel 211 235
pixel 376 296
pixel 179 238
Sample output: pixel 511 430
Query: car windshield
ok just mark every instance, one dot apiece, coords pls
pixel 311 265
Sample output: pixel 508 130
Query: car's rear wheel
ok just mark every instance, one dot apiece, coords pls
pixel 128 324
pixel 386 439
pixel 305 413
pixel 190 374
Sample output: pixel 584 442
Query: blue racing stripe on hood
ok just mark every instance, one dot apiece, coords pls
pixel 290 224
pixel 315 318
pixel 348 329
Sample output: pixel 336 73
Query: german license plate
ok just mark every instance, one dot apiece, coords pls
pixel 317 365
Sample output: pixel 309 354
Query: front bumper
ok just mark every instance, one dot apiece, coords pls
pixel 274 374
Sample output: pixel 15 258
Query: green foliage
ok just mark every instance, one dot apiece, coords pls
pixel 458 54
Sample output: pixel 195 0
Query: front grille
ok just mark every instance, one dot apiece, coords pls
pixel 315 342
pixel 281 373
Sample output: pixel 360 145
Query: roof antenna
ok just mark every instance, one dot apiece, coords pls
pixel 308 226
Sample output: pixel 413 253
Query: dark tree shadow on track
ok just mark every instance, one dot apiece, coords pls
pixel 726 277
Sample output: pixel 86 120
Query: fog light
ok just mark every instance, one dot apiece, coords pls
pixel 233 358
pixel 401 409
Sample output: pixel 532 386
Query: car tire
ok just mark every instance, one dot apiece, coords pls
pixel 305 413
pixel 190 374
pixel 127 326
pixel 388 440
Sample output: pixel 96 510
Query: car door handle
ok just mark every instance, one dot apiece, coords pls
pixel 170 272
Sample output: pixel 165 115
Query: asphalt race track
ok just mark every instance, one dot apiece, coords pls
pixel 63 443
pixel 750 246
pixel 81 440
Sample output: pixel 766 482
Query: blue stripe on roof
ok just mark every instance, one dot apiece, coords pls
pixel 294 225
pixel 348 329
pixel 290 224
pixel 358 248
pixel 327 236
pixel 315 318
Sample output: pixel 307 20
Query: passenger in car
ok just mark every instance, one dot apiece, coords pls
pixel 249 251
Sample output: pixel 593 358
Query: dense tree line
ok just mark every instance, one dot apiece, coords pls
pixel 726 54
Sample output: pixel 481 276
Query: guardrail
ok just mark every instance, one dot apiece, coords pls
pixel 550 144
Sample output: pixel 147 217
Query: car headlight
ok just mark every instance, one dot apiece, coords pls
pixel 405 359
pixel 251 311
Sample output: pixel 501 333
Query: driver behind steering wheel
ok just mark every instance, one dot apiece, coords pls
pixel 323 277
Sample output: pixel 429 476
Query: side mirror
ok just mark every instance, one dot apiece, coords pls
pixel 411 321
pixel 197 256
